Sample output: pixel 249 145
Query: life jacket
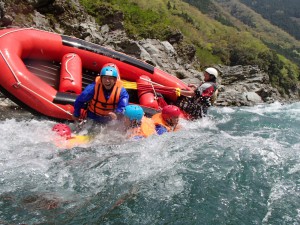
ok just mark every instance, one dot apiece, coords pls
pixel 196 107
pixel 99 105
pixel 208 90
pixel 158 120
pixel 146 129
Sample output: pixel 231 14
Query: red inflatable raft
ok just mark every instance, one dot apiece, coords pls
pixel 46 71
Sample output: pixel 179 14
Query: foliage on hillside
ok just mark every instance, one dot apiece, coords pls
pixel 246 19
pixel 215 42
pixel 284 14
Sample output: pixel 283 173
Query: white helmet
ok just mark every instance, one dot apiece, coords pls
pixel 212 71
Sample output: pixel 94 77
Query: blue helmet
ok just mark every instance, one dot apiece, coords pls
pixel 109 71
pixel 134 112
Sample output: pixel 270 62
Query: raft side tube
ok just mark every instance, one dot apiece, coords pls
pixel 146 98
pixel 71 74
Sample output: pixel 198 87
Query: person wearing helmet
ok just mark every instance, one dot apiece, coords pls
pixel 62 130
pixel 167 120
pixel 137 126
pixel 201 97
pixel 68 140
pixel 105 98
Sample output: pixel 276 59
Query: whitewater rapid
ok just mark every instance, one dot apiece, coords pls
pixel 237 166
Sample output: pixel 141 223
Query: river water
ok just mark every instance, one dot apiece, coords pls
pixel 239 166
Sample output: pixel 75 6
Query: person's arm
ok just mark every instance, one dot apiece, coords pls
pixel 160 129
pixel 86 95
pixel 187 93
pixel 123 101
pixel 193 86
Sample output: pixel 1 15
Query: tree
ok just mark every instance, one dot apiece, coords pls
pixel 169 5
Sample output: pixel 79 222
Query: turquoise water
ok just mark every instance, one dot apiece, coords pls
pixel 240 166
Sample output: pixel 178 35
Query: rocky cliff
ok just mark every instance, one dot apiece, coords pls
pixel 239 85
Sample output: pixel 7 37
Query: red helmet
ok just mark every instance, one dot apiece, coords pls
pixel 170 111
pixel 62 130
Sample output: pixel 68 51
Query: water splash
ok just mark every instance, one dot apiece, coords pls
pixel 237 166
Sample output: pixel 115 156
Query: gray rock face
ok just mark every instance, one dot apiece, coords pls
pixel 245 85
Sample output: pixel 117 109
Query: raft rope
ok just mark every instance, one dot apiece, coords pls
pixel 163 89
pixel 152 82
pixel 13 72
pixel 71 78
pixel 13 31
pixel 19 84
pixel 67 112
pixel 152 86
pixel 155 95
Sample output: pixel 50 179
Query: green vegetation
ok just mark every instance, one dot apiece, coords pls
pixel 284 14
pixel 140 21
pixel 214 42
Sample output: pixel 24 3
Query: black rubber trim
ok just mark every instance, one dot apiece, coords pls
pixel 149 111
pixel 81 44
pixel 65 98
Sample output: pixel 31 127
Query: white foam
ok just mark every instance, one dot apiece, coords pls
pixel 28 157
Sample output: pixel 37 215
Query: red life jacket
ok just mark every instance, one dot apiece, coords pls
pixel 99 105
pixel 207 89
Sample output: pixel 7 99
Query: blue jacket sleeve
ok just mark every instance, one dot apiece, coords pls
pixel 86 95
pixel 160 129
pixel 123 101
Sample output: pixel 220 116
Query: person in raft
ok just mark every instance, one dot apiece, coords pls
pixel 137 126
pixel 167 120
pixel 106 98
pixel 196 101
